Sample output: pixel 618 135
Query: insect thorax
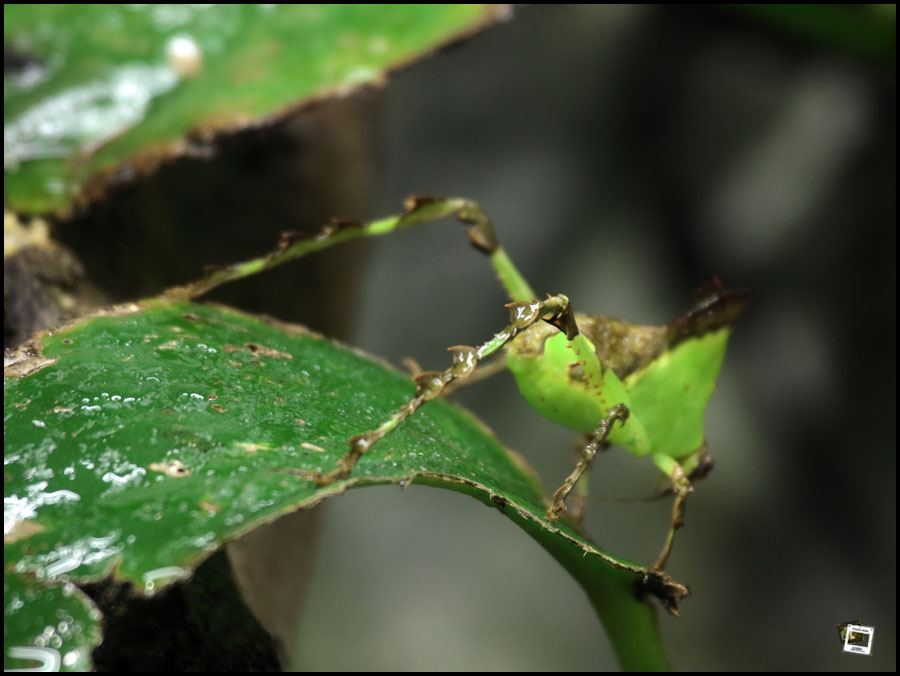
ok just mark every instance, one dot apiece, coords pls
pixel 552 377
pixel 621 346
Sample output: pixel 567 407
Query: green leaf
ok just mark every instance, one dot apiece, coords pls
pixel 89 87
pixel 51 624
pixel 140 440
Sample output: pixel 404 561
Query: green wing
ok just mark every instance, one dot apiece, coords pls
pixel 669 394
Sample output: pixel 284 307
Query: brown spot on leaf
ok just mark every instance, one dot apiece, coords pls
pixel 174 469
pixel 209 507
pixel 264 351
pixel 22 529
pixel 26 359
pixel 251 447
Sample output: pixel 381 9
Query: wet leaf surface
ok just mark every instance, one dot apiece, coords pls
pixel 87 87
pixel 147 437
pixel 52 625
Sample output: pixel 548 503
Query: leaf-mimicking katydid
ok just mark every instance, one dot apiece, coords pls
pixel 642 387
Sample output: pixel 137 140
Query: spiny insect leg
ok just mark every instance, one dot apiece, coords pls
pixel 578 498
pixel 579 495
pixel 619 413
pixel 682 488
pixel 419 210
pixel 431 384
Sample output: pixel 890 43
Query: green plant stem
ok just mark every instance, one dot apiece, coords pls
pixel 630 623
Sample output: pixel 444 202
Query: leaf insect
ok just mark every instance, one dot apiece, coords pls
pixel 645 388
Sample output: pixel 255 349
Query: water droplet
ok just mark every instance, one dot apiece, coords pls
pixel 184 56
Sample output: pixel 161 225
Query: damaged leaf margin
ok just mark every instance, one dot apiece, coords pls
pixel 256 66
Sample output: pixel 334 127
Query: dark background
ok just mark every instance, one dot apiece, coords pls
pixel 626 153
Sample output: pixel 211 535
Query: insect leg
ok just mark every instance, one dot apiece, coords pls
pixel 618 413
pixel 483 238
pixel 579 496
pixel 682 488
pixel 485 370
pixel 580 493
pixel 419 210
pixel 431 384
